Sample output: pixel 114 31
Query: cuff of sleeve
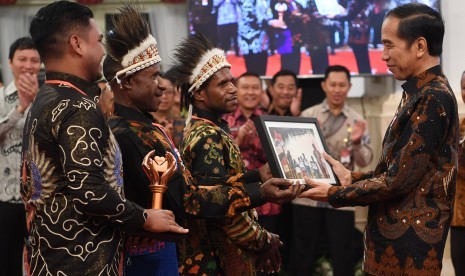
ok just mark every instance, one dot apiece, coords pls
pixel 138 219
pixel 332 196
pixel 251 176
pixel 255 194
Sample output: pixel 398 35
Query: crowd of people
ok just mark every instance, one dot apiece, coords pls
pixel 76 195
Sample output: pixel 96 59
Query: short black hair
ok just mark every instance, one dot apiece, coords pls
pixel 337 68
pixel 419 20
pixel 248 74
pixel 171 76
pixel 52 26
pixel 285 72
pixel 21 43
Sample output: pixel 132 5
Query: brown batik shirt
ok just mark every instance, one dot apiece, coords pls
pixel 411 191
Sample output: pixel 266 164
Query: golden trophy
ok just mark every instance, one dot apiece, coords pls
pixel 159 170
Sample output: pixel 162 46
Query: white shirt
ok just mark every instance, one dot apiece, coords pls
pixel 11 136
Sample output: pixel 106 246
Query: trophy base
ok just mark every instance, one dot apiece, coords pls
pixel 164 236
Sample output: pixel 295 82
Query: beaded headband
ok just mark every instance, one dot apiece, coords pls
pixel 141 57
pixel 211 62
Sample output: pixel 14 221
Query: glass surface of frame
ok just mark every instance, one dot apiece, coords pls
pixel 294 148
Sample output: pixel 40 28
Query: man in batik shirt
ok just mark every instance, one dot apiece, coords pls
pixel 71 165
pixel 411 191
pixel 210 153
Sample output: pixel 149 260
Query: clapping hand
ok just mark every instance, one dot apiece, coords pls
pixel 27 85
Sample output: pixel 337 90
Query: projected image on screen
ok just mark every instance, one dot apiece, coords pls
pixel 305 36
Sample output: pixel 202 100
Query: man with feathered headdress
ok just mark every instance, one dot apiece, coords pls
pixel 133 71
pixel 211 153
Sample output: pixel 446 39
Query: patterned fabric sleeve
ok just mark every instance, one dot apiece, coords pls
pixel 418 142
pixel 247 232
pixel 204 155
pixel 207 157
pixel 80 137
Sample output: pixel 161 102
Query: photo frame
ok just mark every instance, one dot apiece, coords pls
pixel 294 147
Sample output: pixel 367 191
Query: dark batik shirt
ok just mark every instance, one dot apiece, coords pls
pixel 411 191
pixel 72 184
pixel 231 244
pixel 137 135
pixel 191 202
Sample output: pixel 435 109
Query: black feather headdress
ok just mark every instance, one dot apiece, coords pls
pixel 130 42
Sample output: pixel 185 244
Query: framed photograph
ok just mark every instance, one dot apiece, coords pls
pixel 294 147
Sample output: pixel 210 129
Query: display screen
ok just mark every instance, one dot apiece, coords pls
pixel 305 36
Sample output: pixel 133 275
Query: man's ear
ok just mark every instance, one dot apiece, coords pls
pixel 421 46
pixel 199 95
pixel 127 83
pixel 75 44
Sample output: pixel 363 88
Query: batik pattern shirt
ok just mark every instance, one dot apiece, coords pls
pixel 11 132
pixel 210 153
pixel 137 135
pixel 459 204
pixel 411 191
pixel 72 184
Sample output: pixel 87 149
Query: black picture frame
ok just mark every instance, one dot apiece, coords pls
pixel 293 147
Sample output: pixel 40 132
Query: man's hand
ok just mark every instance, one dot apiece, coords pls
pixel 343 174
pixel 357 131
pixel 27 85
pixel 265 172
pixel 296 103
pixel 270 260
pixel 162 221
pixel 247 129
pixel 319 190
pixel 280 191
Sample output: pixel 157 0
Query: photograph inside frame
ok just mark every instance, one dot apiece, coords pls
pixel 294 149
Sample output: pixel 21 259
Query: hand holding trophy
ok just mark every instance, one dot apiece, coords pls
pixel 159 170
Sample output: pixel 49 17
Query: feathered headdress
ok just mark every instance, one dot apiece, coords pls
pixel 196 60
pixel 130 42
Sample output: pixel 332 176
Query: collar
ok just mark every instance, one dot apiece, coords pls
pixel 237 114
pixel 132 114
pixel 273 111
pixel 415 84
pixel 90 88
pixel 213 117
pixel 325 108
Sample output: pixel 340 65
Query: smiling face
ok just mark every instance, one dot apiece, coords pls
pixel 220 94
pixel 336 87
pixel 94 52
pixel 25 61
pixel 283 91
pixel 145 88
pixel 400 57
pixel 249 92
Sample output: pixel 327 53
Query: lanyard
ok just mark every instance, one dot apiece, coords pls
pixel 65 83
